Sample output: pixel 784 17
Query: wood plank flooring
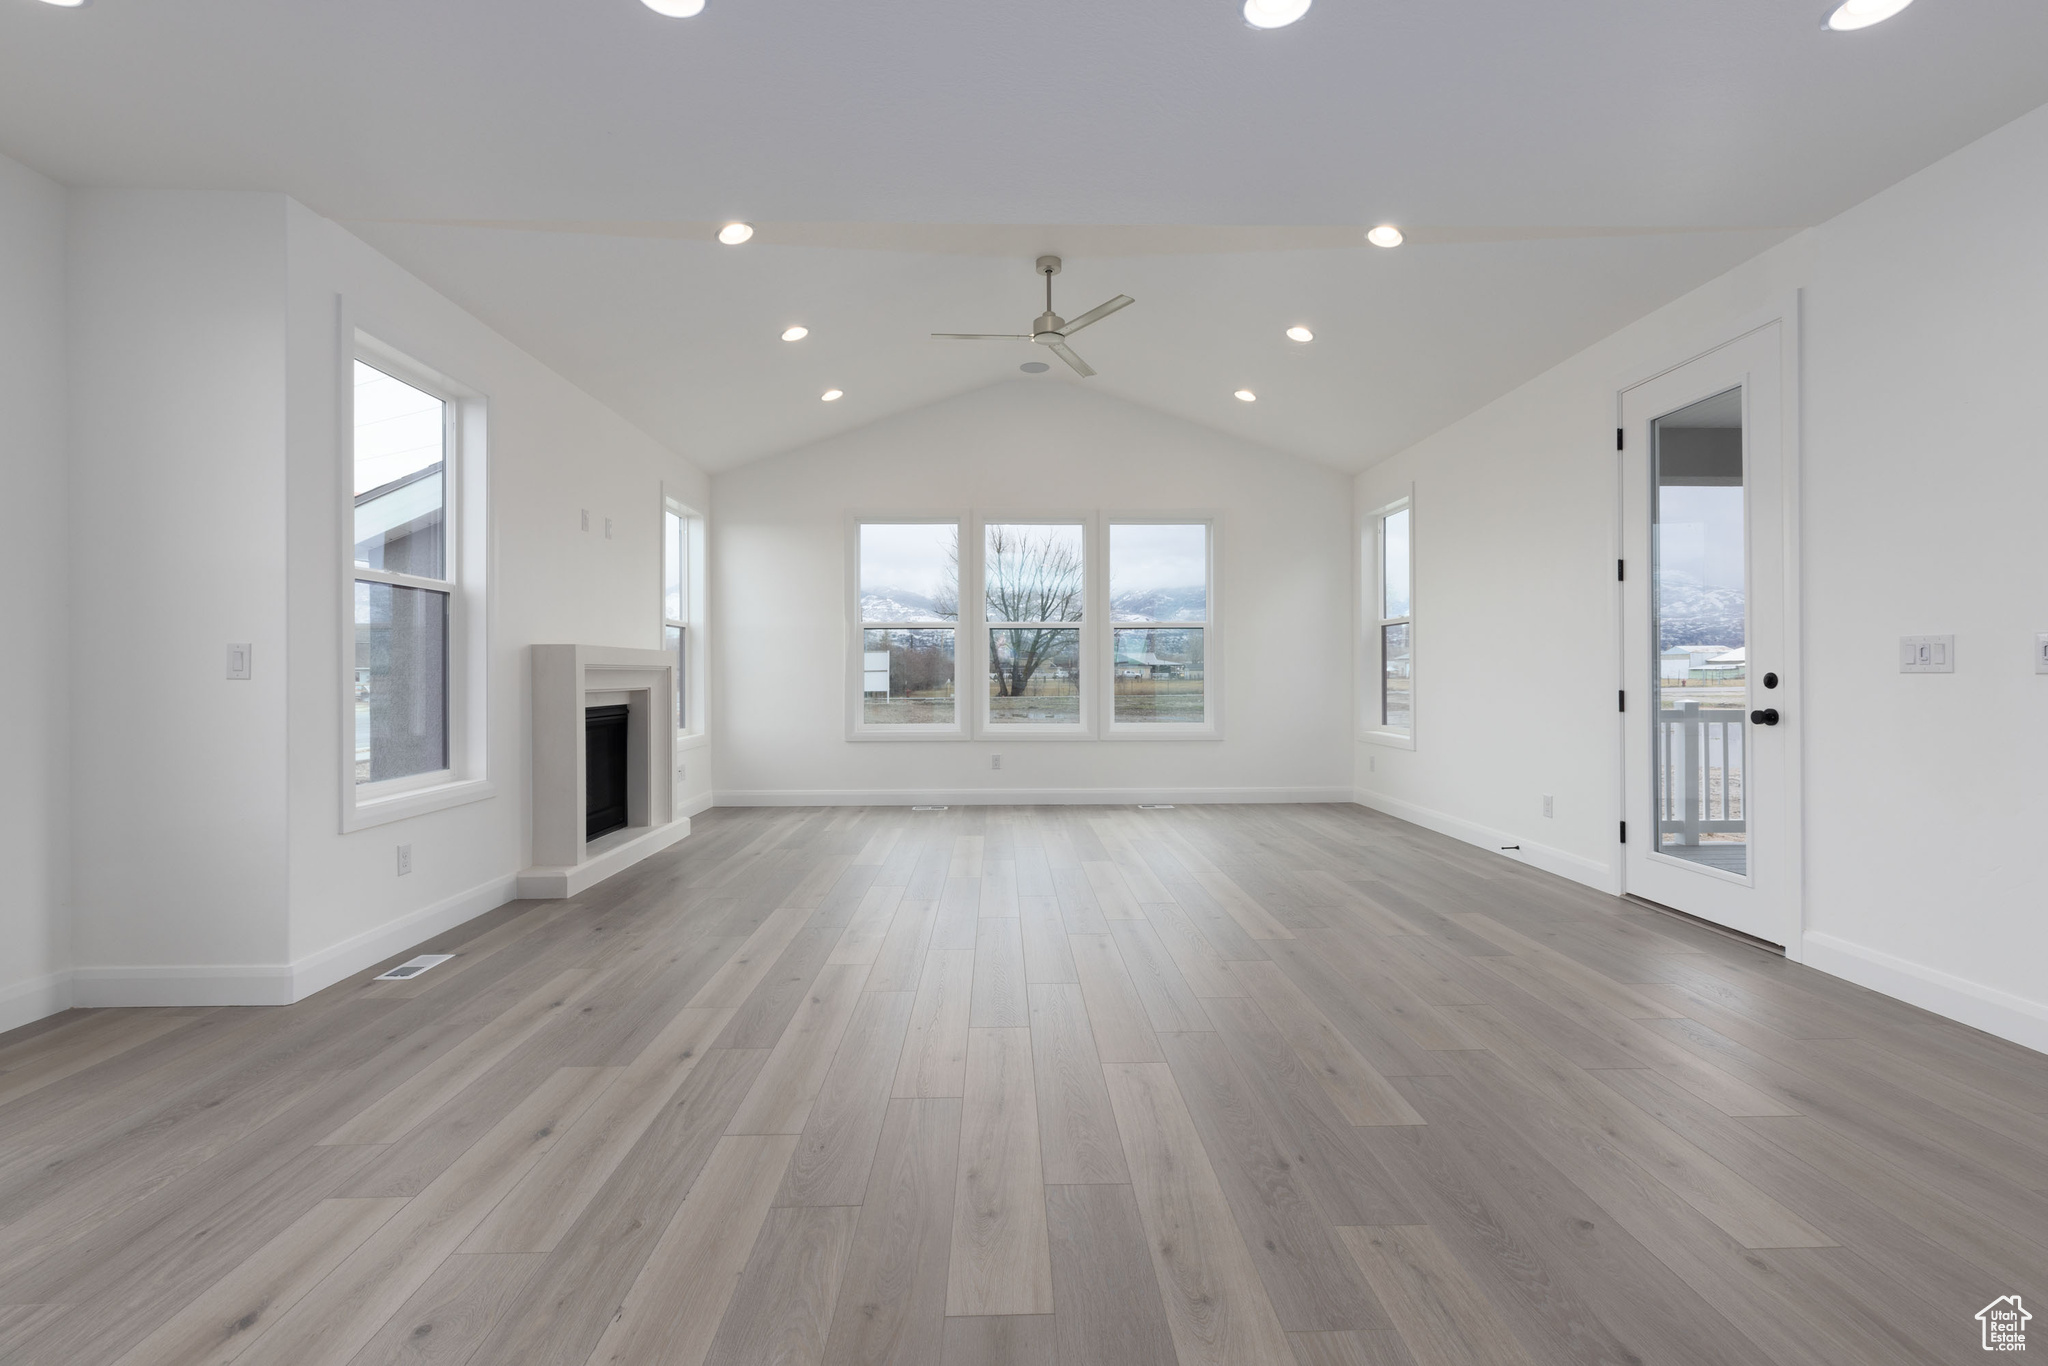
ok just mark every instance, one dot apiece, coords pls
pixel 1085 1086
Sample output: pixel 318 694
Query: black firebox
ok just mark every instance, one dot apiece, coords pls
pixel 604 770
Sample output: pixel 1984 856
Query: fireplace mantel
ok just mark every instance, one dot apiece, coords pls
pixel 565 680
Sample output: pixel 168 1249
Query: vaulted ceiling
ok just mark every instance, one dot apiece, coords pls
pixel 560 166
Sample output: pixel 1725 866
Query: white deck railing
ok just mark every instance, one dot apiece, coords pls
pixel 1701 763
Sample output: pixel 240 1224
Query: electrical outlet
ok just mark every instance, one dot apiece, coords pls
pixel 586 519
pixel 607 528
pixel 1549 810
pixel 995 761
pixel 1372 763
pixel 2041 653
pixel 240 661
pixel 682 771
pixel 404 859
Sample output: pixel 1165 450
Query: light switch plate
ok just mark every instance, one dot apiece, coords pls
pixel 241 661
pixel 1927 654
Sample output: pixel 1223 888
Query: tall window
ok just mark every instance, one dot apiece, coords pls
pixel 909 586
pixel 677 592
pixel 1159 598
pixel 405 583
pixel 1035 581
pixel 1396 619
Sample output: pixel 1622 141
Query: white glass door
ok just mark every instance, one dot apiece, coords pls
pixel 1711 821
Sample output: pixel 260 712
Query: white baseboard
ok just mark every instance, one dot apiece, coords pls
pixel 1025 796
pixel 318 971
pixel 554 884
pixel 27 1001
pixel 1600 876
pixel 1990 1009
pixel 697 805
pixel 278 984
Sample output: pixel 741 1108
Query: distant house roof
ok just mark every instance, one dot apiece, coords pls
pixel 1738 655
pixel 412 501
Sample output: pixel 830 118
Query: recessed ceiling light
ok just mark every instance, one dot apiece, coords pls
pixel 1273 13
pixel 676 9
pixel 1852 14
pixel 1034 367
pixel 65 4
pixel 795 333
pixel 1247 396
pixel 1385 235
pixel 1300 334
pixel 832 395
pixel 732 234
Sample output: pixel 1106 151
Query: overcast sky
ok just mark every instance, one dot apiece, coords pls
pixel 916 556
pixel 1143 557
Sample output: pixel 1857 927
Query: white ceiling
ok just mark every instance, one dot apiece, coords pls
pixel 557 165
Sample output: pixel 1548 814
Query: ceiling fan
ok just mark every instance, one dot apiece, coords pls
pixel 1050 330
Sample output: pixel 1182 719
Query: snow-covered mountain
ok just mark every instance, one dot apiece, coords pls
pixel 901 604
pixel 1161 604
pixel 1691 613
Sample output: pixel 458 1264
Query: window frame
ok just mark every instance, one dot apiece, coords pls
pixel 1211 727
pixel 466 537
pixel 694 730
pixel 1092 582
pixel 857 727
pixel 1374 621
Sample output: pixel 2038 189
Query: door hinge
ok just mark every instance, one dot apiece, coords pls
pixel 1622 698
pixel 1621 571
pixel 1618 444
pixel 1624 832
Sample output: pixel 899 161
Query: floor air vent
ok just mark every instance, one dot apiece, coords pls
pixel 1155 806
pixel 413 967
pixel 928 808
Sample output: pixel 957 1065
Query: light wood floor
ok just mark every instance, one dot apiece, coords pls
pixel 1078 1085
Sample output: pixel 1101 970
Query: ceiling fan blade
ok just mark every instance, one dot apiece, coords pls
pixel 1097 314
pixel 1066 353
pixel 984 336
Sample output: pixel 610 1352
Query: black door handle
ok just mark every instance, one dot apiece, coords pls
pixel 1767 717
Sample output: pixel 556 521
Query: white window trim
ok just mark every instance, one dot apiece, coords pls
pixel 694 733
pixel 856 727
pixel 1092 575
pixel 467 533
pixel 1211 728
pixel 1371 623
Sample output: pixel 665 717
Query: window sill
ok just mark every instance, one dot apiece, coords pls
pixel 933 735
pixel 1392 739
pixel 1164 732
pixel 686 740
pixel 405 805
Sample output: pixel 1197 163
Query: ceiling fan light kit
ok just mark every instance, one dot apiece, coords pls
pixel 1050 330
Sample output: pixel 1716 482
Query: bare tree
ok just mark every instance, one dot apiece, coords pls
pixel 1031 578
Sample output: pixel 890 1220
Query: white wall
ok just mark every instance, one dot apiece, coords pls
pixel 780 596
pixel 203 367
pixel 553 452
pixel 1925 476
pixel 177 541
pixel 34 618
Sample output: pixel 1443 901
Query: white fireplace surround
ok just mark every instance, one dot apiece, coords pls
pixel 566 680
